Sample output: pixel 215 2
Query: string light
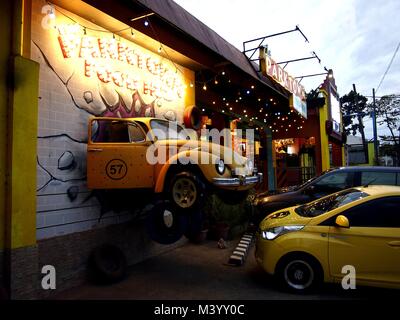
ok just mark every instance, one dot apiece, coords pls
pixel 52 15
pixel 204 87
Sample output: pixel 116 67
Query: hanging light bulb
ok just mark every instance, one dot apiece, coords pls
pixel 191 84
pixel 204 87
pixel 52 15
pixel 146 23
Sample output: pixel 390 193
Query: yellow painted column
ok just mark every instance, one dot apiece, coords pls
pixel 21 192
pixel 22 123
pixel 323 116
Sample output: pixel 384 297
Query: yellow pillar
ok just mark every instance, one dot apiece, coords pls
pixel 21 133
pixel 323 116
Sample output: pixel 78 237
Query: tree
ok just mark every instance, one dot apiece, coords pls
pixel 354 106
pixel 388 113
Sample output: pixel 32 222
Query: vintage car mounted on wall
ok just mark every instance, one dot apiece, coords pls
pixel 162 156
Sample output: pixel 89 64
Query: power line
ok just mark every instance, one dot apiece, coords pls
pixel 390 64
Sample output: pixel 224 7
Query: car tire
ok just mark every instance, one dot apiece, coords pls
pixel 186 191
pixel 108 263
pixel 165 224
pixel 299 273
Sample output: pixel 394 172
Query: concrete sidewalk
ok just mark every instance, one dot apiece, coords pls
pixel 195 272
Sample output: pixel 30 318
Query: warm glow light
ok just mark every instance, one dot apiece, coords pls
pixel 120 63
pixel 204 87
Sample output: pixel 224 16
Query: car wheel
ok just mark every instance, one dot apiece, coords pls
pixel 186 190
pixel 108 263
pixel 165 225
pixel 299 273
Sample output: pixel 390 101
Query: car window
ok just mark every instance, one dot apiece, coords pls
pixel 119 131
pixel 135 133
pixel 379 213
pixel 376 177
pixel 337 181
pixel 165 130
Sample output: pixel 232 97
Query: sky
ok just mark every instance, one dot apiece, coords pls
pixel 355 38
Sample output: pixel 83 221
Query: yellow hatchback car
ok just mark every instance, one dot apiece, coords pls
pixel 356 229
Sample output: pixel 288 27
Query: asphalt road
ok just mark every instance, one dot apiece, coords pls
pixel 200 272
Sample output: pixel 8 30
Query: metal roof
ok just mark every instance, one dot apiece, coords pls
pixel 187 23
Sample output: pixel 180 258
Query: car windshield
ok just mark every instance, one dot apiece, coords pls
pixel 166 130
pixel 331 202
pixel 309 181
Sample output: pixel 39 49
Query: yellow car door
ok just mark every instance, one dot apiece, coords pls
pixel 371 243
pixel 116 157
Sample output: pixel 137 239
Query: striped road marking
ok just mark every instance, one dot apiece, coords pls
pixel 239 255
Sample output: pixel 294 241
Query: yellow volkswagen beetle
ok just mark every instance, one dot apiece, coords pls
pixel 357 229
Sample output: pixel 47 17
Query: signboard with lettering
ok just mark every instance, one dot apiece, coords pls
pixel 275 72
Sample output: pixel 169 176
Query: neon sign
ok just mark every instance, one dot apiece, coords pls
pixel 120 63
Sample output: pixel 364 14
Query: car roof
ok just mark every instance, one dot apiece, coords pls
pixel 381 190
pixel 366 168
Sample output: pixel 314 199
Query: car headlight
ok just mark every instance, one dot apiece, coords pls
pixel 272 233
pixel 220 166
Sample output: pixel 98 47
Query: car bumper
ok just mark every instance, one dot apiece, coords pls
pixel 238 181
pixel 267 253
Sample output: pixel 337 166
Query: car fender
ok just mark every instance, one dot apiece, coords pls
pixel 188 157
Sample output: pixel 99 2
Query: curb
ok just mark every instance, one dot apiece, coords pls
pixel 239 254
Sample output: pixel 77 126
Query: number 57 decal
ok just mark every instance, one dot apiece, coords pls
pixel 116 169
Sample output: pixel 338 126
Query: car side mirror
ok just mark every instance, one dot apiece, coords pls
pixel 342 222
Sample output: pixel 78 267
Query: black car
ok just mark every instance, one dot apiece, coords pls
pixel 329 182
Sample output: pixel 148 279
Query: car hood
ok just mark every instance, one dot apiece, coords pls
pixel 288 197
pixel 230 157
pixel 283 217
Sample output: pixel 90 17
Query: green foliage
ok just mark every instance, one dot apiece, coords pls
pixel 352 103
pixel 388 113
pixel 233 214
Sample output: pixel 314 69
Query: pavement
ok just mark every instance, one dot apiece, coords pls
pixel 202 272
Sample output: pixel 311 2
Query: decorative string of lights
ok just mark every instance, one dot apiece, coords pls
pixel 229 105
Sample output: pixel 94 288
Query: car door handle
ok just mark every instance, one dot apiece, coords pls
pixel 95 150
pixel 394 243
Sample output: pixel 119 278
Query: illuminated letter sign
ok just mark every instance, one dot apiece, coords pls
pixel 120 63
pixel 274 71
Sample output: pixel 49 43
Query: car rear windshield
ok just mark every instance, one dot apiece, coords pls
pixel 336 200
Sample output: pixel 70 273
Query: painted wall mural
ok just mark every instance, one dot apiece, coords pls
pixel 83 75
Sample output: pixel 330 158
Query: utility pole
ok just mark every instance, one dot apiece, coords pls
pixel 361 125
pixel 376 148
